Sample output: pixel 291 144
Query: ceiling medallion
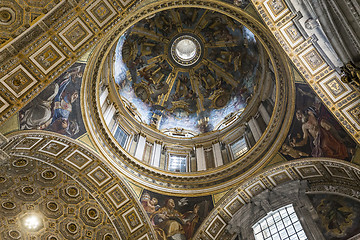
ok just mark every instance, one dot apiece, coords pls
pixel 7 16
pixel 185 50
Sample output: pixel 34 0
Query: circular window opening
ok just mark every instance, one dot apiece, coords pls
pixel 185 50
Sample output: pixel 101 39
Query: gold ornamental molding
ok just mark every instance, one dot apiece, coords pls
pixel 323 175
pixel 39 40
pixel 31 151
pixel 341 99
pixel 36 49
pixel 213 180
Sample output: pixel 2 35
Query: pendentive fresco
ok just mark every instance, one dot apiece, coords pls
pixel 314 131
pixel 57 108
pixel 175 217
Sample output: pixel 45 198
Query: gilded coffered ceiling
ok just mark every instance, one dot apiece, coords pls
pixel 72 193
pixel 77 193
pixel 62 205
pixel 40 50
pixel 16 17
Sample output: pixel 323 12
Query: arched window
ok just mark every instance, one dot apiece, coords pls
pixel 281 224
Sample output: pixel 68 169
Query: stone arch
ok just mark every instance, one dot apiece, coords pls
pixel 80 181
pixel 310 176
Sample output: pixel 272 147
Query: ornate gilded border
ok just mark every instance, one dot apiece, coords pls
pixel 88 169
pixel 342 99
pixel 323 175
pixel 190 183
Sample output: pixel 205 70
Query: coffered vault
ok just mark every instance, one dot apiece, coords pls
pixel 296 126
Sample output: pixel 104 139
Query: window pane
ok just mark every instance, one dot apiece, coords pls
pixel 266 233
pixel 293 218
pixel 277 217
pixel 177 163
pixel 294 237
pixel 239 147
pixel 273 229
pixel 290 230
pixel 297 227
pixel 287 221
pixel 263 225
pixel 302 235
pixel 259 236
pixel 276 236
pixel 121 136
pixel 283 234
pixel 290 210
pixel 257 228
pixel 283 213
pixel 270 221
pixel 282 224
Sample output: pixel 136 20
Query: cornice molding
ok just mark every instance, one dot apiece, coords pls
pixel 323 175
pixel 189 183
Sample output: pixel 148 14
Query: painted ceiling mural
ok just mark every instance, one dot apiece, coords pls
pixel 338 216
pixel 57 108
pixel 175 217
pixel 28 26
pixel 187 68
pixel 314 131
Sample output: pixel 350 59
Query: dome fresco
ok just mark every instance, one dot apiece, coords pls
pixel 187 69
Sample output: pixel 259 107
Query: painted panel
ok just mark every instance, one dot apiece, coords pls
pixel 175 217
pixel 57 108
pixel 339 216
pixel 314 131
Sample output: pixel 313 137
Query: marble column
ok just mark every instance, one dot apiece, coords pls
pixel 139 152
pixel 103 96
pixel 265 115
pixel 156 155
pixel 255 129
pixel 109 113
pixel 217 154
pixel 200 158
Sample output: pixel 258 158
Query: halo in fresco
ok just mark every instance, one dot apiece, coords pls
pixel 194 97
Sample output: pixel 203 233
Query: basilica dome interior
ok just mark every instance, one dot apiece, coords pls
pixel 180 120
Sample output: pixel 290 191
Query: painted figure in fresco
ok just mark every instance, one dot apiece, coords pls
pixel 40 111
pixel 149 204
pixel 317 131
pixel 63 101
pixel 52 108
pixel 175 218
pixel 170 224
pixel 287 150
pixel 191 218
pixel 170 221
pixel 336 217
